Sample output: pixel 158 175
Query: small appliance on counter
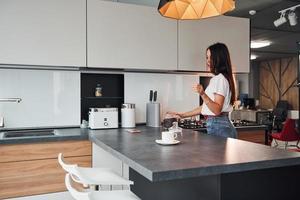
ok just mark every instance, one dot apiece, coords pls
pixel 128 115
pixel 102 118
pixel 153 111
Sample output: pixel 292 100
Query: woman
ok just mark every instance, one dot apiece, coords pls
pixel 219 95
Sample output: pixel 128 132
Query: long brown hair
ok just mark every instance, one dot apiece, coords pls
pixel 221 63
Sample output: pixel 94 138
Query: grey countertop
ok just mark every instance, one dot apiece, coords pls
pixel 62 134
pixel 196 155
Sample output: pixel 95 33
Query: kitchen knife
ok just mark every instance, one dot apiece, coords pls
pixel 155 96
pixel 151 95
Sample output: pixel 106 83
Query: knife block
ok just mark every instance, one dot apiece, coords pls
pixel 153 114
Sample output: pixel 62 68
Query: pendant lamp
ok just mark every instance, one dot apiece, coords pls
pixel 194 9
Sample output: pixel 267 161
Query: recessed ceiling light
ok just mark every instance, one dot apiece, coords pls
pixel 252 12
pixel 253 57
pixel 259 44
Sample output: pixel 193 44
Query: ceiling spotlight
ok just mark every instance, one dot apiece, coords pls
pixel 291 16
pixel 259 44
pixel 280 21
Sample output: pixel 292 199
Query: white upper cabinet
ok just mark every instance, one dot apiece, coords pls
pixel 43 32
pixel 194 36
pixel 129 36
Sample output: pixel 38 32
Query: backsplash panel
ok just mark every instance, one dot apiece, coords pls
pixel 174 92
pixel 49 98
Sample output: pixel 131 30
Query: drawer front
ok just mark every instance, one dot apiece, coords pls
pixel 34 151
pixel 35 177
pixel 252 136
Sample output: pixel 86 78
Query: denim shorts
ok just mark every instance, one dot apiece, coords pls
pixel 220 126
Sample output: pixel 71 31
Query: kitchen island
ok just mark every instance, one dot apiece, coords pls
pixel 201 166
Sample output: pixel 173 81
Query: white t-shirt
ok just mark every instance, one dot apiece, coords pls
pixel 218 85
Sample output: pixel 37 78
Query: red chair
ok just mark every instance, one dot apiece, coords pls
pixel 288 134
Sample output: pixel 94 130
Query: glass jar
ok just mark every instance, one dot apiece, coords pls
pixel 98 90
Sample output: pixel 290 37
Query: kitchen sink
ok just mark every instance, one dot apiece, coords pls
pixel 27 133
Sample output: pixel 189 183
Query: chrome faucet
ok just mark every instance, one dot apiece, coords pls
pixel 17 100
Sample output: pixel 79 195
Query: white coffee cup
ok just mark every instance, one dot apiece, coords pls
pixel 168 136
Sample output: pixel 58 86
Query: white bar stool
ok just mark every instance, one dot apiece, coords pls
pixel 92 177
pixel 98 195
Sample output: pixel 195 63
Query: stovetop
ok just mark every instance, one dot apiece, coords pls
pixel 201 124
pixel 244 123
pixel 192 124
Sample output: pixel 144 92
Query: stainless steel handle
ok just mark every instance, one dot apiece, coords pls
pixel 17 100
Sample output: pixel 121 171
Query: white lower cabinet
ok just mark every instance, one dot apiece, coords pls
pixel 101 158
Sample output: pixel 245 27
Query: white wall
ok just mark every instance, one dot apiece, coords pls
pixel 174 92
pixel 49 98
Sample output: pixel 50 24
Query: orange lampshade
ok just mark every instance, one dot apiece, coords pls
pixel 194 9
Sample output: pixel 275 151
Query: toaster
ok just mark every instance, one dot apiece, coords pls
pixel 102 118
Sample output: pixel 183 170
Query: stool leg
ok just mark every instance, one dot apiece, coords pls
pixel 276 143
pixel 286 144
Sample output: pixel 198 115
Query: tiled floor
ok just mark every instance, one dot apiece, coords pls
pixel 51 196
